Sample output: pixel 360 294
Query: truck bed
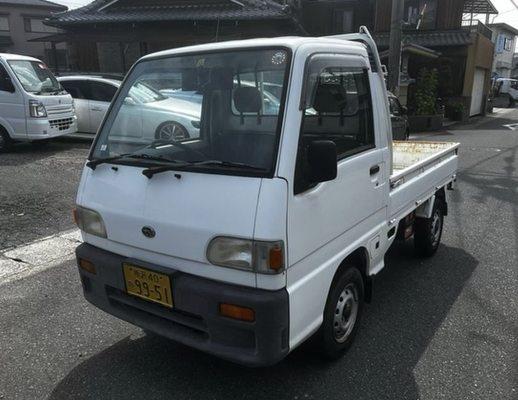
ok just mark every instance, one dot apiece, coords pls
pixel 418 170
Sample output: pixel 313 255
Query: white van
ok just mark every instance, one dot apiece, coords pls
pixel 270 226
pixel 33 105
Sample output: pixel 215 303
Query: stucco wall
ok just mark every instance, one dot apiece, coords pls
pixel 20 37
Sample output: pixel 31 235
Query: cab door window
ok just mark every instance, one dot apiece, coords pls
pixel 337 106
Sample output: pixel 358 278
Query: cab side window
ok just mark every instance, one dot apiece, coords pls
pixel 337 107
pixel 102 91
pixel 76 89
pixel 5 81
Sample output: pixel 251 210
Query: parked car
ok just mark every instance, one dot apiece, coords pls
pixel 505 90
pixel 398 118
pixel 269 229
pixel 33 105
pixel 93 94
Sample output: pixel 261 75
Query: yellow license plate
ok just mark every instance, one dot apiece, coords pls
pixel 148 285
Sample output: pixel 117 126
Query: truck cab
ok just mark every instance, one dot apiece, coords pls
pixel 33 105
pixel 269 227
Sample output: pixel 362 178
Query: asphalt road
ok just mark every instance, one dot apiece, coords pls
pixel 38 184
pixel 443 328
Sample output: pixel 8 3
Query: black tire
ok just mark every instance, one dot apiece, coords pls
pixel 177 131
pixel 5 141
pixel 333 338
pixel 428 231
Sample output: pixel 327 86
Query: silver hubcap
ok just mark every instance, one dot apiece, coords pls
pixel 436 228
pixel 346 312
pixel 172 131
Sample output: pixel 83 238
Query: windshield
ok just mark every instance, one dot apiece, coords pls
pixel 210 111
pixel 35 77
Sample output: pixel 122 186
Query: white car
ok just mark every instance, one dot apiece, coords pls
pixel 33 105
pixel 93 95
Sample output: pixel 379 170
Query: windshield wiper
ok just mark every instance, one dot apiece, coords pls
pixel 94 163
pixel 149 172
pixel 229 164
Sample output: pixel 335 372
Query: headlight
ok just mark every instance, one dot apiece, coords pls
pixel 250 255
pixel 89 221
pixel 37 109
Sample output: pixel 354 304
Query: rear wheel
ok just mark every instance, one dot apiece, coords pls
pixel 171 130
pixel 342 314
pixel 5 141
pixel 428 231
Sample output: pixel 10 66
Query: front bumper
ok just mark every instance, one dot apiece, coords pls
pixel 195 319
pixel 50 128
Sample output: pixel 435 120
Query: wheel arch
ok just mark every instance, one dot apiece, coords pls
pixel 5 127
pixel 360 259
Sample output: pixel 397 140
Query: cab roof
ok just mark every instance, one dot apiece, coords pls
pixel 291 42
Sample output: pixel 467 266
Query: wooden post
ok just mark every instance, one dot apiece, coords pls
pixel 55 57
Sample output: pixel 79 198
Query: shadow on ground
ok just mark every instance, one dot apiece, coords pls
pixel 412 298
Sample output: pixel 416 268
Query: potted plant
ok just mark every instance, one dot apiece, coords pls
pixel 426 116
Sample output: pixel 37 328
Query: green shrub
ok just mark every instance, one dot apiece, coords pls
pixel 426 91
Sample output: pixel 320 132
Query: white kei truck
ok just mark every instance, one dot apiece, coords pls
pixel 33 105
pixel 269 227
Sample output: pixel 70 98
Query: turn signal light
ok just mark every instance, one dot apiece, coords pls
pixel 276 258
pixel 87 266
pixel 237 312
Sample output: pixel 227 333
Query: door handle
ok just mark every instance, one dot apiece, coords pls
pixel 374 170
pixel 96 109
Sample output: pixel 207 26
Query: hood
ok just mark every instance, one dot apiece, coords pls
pixel 185 212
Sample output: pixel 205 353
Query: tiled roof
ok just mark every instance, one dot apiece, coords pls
pixel 103 11
pixel 429 39
pixel 36 3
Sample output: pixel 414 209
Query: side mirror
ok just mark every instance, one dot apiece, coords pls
pixel 404 110
pixel 6 85
pixel 322 160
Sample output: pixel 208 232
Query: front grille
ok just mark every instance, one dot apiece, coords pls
pixel 61 124
pixel 56 111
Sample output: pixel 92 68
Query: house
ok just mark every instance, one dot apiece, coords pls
pixel 434 38
pixel 21 21
pixel 109 35
pixel 504 39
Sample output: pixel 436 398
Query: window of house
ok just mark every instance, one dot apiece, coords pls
pixel 508 44
pixel 338 107
pixel 343 21
pixel 33 24
pixel 4 23
pixel 61 56
pixel 421 13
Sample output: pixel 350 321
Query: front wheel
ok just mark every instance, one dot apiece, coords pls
pixel 428 231
pixel 5 141
pixel 342 314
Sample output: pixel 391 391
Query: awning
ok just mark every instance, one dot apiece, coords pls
pixel 414 49
pixel 479 7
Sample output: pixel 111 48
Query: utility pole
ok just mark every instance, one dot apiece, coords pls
pixel 396 33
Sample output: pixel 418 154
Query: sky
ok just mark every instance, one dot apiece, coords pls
pixel 508 11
